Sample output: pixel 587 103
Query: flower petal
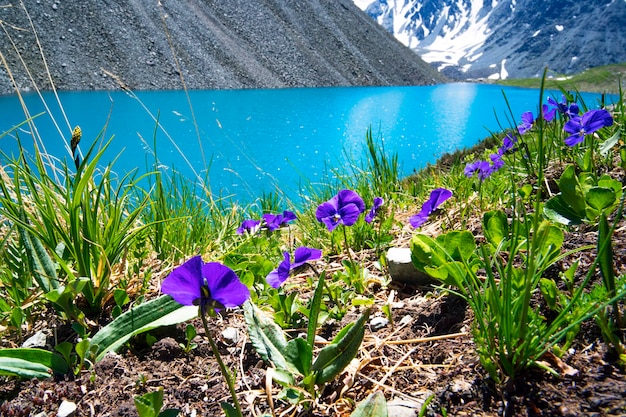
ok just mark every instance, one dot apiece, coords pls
pixel 280 274
pixel 303 255
pixel 349 214
pixel 224 285
pixel 345 197
pixel 418 219
pixel 184 283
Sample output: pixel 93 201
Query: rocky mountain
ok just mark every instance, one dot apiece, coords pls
pixel 149 44
pixel 506 38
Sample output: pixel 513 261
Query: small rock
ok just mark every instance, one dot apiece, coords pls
pixel 38 340
pixel 401 268
pixel 66 409
pixel 378 323
pixel 403 408
pixel 230 336
pixel 405 320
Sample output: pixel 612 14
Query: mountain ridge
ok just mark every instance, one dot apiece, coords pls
pixel 497 39
pixel 225 44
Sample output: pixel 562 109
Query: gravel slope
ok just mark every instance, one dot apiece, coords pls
pixel 149 44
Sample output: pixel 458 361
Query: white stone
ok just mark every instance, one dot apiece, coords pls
pixel 66 409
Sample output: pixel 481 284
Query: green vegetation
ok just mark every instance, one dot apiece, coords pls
pixel 604 79
pixel 85 245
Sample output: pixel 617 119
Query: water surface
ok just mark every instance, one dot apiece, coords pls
pixel 254 141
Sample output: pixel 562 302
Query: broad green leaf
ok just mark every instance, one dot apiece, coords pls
pixel 298 353
pixel 571 191
pixel 23 369
pixel 495 226
pixel 557 210
pixel 374 405
pixel 33 359
pixel 606 146
pixel 460 245
pixel 266 336
pixel 600 198
pixel 549 290
pixel 162 311
pixel 334 358
pixel 421 251
pixel 149 405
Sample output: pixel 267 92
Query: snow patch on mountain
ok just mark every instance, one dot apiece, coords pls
pixel 506 38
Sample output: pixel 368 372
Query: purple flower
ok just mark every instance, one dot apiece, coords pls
pixel 275 221
pixel 496 162
pixel 527 123
pixel 208 285
pixel 590 122
pixel 249 225
pixel 344 208
pixel 508 143
pixel 568 111
pixel 481 168
pixel 437 197
pixel 378 202
pixel 301 256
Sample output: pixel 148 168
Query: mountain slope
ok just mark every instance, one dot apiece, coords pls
pixel 502 38
pixel 217 44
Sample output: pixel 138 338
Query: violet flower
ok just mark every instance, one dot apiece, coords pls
pixel 344 208
pixel 301 255
pixel 208 285
pixel 481 168
pixel 378 202
pixel 437 197
pixel 275 221
pixel 249 225
pixel 566 110
pixel 527 122
pixel 590 122
pixel 508 143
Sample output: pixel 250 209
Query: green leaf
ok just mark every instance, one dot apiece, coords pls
pixel 314 312
pixel 600 198
pixel 229 410
pixel 31 363
pixel 149 405
pixel 334 358
pixel 460 245
pixel 374 405
pixel 299 354
pixel 266 336
pixel 557 210
pixel 606 146
pixel 549 290
pixel 571 191
pixel 495 226
pixel 23 369
pixel 162 311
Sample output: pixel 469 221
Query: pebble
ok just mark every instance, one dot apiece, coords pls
pixel 401 268
pixel 66 409
pixel 38 340
pixel 230 336
pixel 378 323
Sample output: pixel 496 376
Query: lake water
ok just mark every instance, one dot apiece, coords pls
pixel 254 141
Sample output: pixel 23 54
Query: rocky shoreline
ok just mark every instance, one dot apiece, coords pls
pixel 229 44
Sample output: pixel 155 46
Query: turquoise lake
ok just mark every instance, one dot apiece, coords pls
pixel 255 141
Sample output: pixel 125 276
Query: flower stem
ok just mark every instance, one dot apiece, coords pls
pixel 218 357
